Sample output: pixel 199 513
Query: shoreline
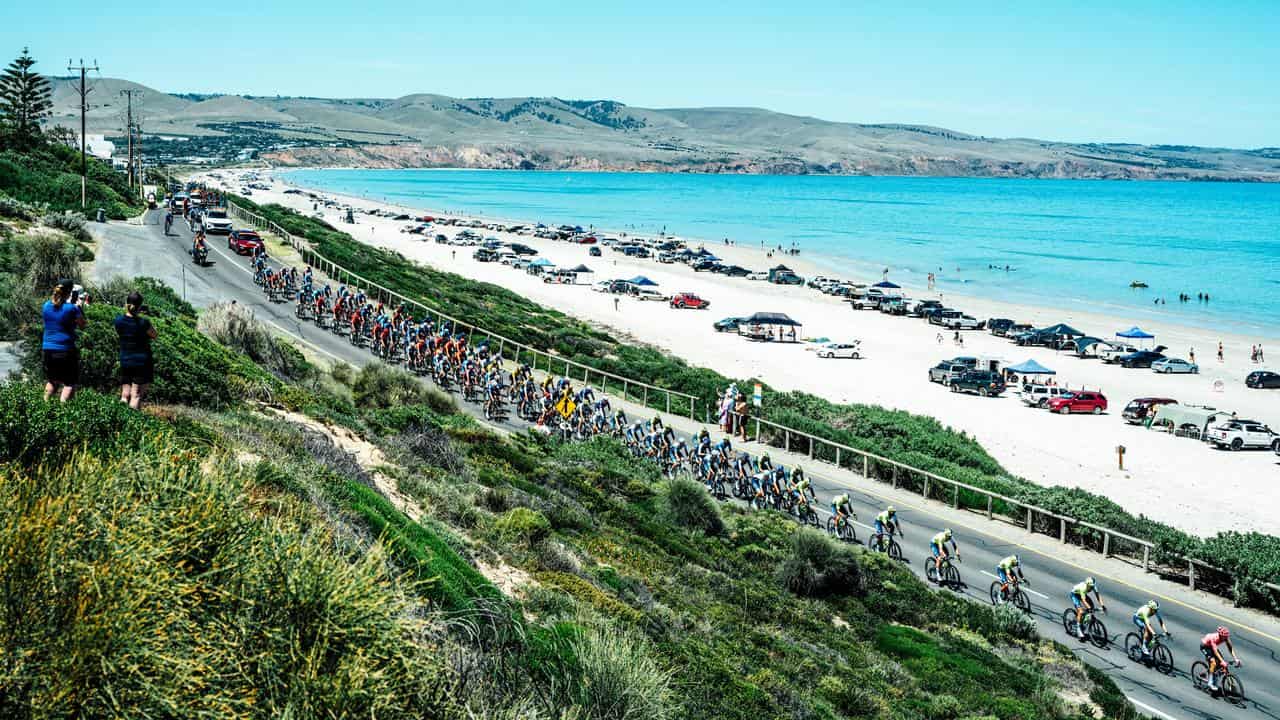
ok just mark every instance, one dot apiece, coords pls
pixel 1166 478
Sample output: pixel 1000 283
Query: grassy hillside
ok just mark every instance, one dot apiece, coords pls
pixel 274 539
pixel 50 177
pixel 1253 558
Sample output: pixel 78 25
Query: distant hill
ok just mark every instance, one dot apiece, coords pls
pixel 551 133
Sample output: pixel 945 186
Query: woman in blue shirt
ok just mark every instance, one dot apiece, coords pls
pixel 62 317
pixel 136 367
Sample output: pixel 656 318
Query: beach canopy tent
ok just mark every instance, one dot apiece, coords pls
pixel 582 269
pixel 542 262
pixel 1181 417
pixel 1135 333
pixel 1061 329
pixel 780 268
pixel 771 327
pixel 1084 343
pixel 887 285
pixel 1030 367
pixel 642 281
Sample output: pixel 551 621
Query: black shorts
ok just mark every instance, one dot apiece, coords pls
pixel 137 374
pixel 62 367
pixel 1208 653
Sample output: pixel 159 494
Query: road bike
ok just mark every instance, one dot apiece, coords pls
pixel 1230 688
pixel 1015 595
pixel 1094 631
pixel 885 543
pixel 842 530
pixel 1159 657
pixel 949 576
pixel 805 514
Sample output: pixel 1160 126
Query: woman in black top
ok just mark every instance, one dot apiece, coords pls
pixel 136 366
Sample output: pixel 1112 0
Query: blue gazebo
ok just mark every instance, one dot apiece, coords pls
pixel 1030 367
pixel 1135 333
pixel 642 281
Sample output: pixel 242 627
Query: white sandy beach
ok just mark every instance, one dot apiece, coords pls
pixel 1175 480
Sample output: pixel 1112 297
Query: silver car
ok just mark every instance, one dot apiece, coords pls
pixel 1174 365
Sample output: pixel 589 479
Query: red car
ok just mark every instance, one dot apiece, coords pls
pixel 1083 401
pixel 689 300
pixel 242 242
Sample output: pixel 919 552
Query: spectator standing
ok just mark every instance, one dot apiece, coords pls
pixel 1192 355
pixel 62 318
pixel 740 410
pixel 1219 351
pixel 137 366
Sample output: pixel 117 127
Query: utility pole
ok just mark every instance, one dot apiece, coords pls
pixel 84 108
pixel 128 128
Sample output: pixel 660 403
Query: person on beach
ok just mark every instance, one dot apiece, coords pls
pixel 1219 351
pixel 63 316
pixel 615 304
pixel 1192 356
pixel 137 367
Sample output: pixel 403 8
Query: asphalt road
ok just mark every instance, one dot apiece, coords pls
pixel 147 251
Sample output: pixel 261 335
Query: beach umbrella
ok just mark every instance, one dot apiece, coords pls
pixel 642 281
pixel 1135 333
pixel 887 285
pixel 1030 367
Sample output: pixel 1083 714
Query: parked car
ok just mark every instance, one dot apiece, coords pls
pixel 1077 402
pixel 593 251
pixel 520 249
pixel 1241 434
pixel 484 255
pixel 442 239
pixel 644 293
pixel 999 326
pixel 841 350
pixel 1140 359
pixel 689 300
pixel 242 242
pixel 982 382
pixel 1175 365
pixel 1112 352
pixel 962 322
pixel 1262 379
pixel 946 371
pixel 729 324
pixel 942 315
pixel 1139 409
pixel 758 276
pixel 666 258
pixel 921 307
pixel 705 265
pixel 734 271
pixel 1038 396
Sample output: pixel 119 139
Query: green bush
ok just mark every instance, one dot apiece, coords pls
pixel 234 326
pixel 378 385
pixel 690 506
pixel 617 679
pixel 818 566
pixel 33 430
pixel 69 222
pixel 50 176
pixel 523 525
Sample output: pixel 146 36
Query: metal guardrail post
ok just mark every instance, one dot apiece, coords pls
pixel 1106 544
pixel 1062 529
pixel 757 429
pixel 1191 573
pixel 787 435
pixel 955 503
pixel 1146 558
pixel 895 477
pixel 645 400
pixel 925 494
pixel 837 456
pixel 810 447
pixel 668 402
pixel 1028 519
pixel 989 502
pixel 866 466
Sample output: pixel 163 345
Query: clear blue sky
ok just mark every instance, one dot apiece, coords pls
pixel 1156 72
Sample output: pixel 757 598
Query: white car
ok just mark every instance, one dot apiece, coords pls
pixel 1112 353
pixel 1174 365
pixel 509 259
pixel 1241 434
pixel 1038 396
pixel 648 294
pixel 216 222
pixel 604 286
pixel 841 350
pixel 962 322
pixel 757 276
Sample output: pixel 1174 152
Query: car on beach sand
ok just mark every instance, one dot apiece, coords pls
pixel 1139 409
pixel 962 322
pixel 242 242
pixel 982 382
pixel 594 252
pixel 1038 396
pixel 1140 359
pixel 851 350
pixel 1262 379
pixel 1174 365
pixel 1078 402
pixel 689 300
pixel 758 276
pixel 946 371
pixel 1241 434
pixel 729 324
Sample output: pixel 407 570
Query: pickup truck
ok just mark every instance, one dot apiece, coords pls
pixel 1112 353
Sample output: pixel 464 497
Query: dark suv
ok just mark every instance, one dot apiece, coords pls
pixel 982 382
pixel 1138 409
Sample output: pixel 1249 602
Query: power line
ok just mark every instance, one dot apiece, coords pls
pixel 84 109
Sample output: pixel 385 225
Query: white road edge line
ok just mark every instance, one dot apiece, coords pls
pixel 1024 587
pixel 1147 708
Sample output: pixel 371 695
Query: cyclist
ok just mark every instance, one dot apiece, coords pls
pixel 1006 569
pixel 1142 618
pixel 842 509
pixel 1209 648
pixel 168 221
pixel 938 546
pixel 1082 602
pixel 801 488
pixel 887 522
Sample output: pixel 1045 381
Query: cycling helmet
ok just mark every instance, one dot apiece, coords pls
pixel 892 510
pixel 1089 581
pixel 947 534
pixel 1017 560
pixel 1223 632
pixel 1153 605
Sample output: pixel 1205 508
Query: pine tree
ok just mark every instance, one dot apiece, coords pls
pixel 25 100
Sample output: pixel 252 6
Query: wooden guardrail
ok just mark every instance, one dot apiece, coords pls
pixel 996 506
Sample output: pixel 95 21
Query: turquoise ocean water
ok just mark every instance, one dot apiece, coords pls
pixel 1068 243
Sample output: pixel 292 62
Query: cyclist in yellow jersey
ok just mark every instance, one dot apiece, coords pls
pixel 1006 569
pixel 842 509
pixel 1081 600
pixel 938 546
pixel 887 523
pixel 1142 618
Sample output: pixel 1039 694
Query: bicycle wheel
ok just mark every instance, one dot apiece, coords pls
pixel 1097 633
pixel 930 571
pixel 1022 602
pixel 1232 689
pixel 995 592
pixel 1162 658
pixel 1133 647
pixel 951 574
pixel 1069 621
pixel 1200 674
pixel 895 550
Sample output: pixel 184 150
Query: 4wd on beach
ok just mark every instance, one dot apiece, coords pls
pixel 1243 434
pixel 981 382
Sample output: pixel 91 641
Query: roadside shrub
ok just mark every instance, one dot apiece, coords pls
pixel 690 506
pixel 1013 623
pixel 378 385
pixel 618 678
pixel 818 566
pixel 34 431
pixel 71 223
pixel 523 525
pixel 235 326
pixel 9 207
